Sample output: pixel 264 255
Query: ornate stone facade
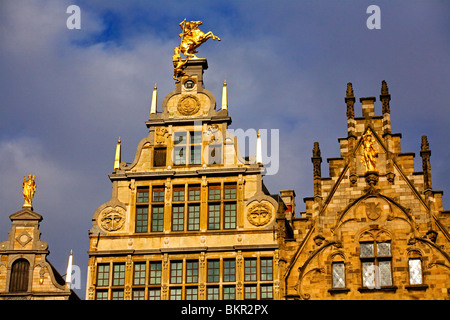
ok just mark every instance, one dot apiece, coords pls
pixel 189 218
pixel 375 228
pixel 25 272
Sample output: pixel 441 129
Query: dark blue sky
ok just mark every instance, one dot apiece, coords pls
pixel 67 95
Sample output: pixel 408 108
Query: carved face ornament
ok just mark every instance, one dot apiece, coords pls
pixel 259 214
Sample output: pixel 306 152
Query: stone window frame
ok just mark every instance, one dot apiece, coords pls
pixel 415 254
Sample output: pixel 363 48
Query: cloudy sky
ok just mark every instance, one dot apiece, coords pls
pixel 67 95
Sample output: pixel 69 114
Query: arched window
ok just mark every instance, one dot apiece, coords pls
pixel 19 276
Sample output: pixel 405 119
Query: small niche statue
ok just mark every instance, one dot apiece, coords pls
pixel 29 188
pixel 369 152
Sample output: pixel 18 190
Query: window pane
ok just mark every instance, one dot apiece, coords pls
pixel 138 294
pixel 192 271
pixel 191 293
pixel 214 193
pixel 196 137
pixel 250 292
pixel 193 217
pixel 142 195
pixel 175 293
pixel 384 249
pixel 177 218
pixel 367 250
pixel 266 269
pixel 194 193
pixel 103 275
pixel 179 137
pixel 338 275
pixel 157 219
pixel 117 295
pixel 176 272
pixel 179 156
pixel 250 270
pixel 214 216
pixel 229 293
pixel 213 271
pixel 230 192
pixel 139 273
pixel 101 295
pixel 415 271
pixel 266 292
pixel 141 219
pixel 154 294
pixel 230 216
pixel 158 194
pixel 213 293
pixel 196 155
pixel 118 274
pixel 155 273
pixel 368 274
pixel 178 193
pixel 229 270
pixel 385 273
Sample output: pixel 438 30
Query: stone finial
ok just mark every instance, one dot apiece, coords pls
pixel 425 145
pixel 350 101
pixel 349 93
pixel 425 153
pixel 385 97
pixel 316 150
pixel 384 88
pixel 316 160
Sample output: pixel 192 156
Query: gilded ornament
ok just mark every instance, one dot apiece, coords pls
pixel 369 152
pixel 191 38
pixel 188 105
pixel 29 189
pixel 259 214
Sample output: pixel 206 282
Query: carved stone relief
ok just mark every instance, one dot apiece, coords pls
pixel 259 214
pixel 112 219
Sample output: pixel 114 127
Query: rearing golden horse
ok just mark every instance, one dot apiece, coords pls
pixel 191 38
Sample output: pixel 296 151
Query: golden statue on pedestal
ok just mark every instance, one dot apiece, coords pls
pixel 369 152
pixel 191 38
pixel 29 188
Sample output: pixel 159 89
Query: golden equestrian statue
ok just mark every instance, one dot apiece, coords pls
pixel 29 188
pixel 191 38
pixel 369 152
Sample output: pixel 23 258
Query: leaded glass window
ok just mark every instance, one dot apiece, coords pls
pixel 415 271
pixel 367 250
pixel 338 270
pixel 376 264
